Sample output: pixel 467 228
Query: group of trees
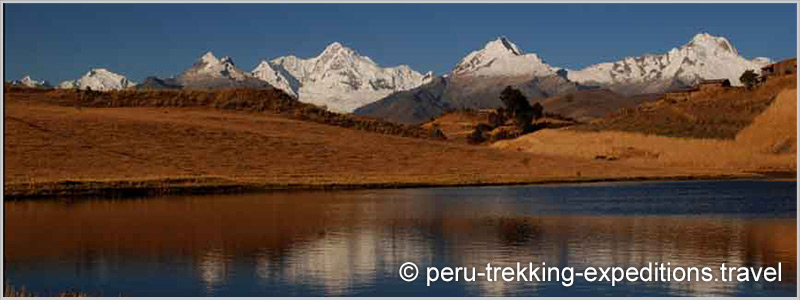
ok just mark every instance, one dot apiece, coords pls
pixel 749 78
pixel 516 108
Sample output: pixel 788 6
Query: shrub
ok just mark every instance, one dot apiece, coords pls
pixel 749 78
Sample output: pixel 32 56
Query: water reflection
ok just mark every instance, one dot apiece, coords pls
pixel 351 243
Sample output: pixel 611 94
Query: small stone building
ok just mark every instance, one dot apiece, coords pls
pixel 784 67
pixel 713 84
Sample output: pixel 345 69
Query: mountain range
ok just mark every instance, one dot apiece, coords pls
pixel 704 57
pixel 99 79
pixel 342 80
pixel 339 78
pixel 476 81
pixel 30 82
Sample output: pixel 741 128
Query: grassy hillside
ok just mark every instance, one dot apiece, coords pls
pixel 588 105
pixel 767 145
pixel 263 100
pixel 65 150
pixel 716 114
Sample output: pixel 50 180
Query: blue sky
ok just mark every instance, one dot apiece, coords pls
pixel 62 41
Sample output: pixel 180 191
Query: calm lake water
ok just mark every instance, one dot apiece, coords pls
pixel 353 242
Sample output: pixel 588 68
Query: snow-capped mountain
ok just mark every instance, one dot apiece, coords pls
pixel 475 82
pixel 501 57
pixel 30 82
pixel 99 80
pixel 209 72
pixel 338 78
pixel 704 57
pixel 277 76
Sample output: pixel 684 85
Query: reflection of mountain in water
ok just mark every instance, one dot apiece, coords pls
pixel 348 243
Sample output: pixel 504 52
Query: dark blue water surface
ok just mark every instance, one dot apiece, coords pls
pixel 352 243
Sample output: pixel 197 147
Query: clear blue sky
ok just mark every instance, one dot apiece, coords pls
pixel 63 41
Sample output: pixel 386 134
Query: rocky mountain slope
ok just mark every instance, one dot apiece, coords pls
pixel 99 80
pixel 339 78
pixel 210 72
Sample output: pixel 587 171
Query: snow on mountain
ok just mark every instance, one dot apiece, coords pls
pixel 30 82
pixel 210 65
pixel 704 57
pixel 277 76
pixel 475 83
pixel 501 57
pixel 338 78
pixel 99 79
pixel 209 72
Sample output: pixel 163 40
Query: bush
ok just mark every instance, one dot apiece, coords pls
pixel 480 134
pixel 749 78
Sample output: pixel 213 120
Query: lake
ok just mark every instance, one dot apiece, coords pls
pixel 352 243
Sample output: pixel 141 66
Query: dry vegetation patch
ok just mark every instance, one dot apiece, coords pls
pixel 249 100
pixel 718 114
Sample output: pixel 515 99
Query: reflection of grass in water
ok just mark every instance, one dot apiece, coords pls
pixel 11 291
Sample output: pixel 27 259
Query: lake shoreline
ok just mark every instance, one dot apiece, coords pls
pixel 216 186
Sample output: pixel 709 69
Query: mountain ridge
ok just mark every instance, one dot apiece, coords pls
pixel 99 79
pixel 477 79
pixel 338 78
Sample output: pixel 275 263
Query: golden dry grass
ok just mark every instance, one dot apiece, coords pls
pixel 56 149
pixel 752 150
pixel 458 124
pixel 771 132
pixel 718 114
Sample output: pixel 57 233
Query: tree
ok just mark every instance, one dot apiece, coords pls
pixel 749 78
pixel 538 111
pixel 518 107
pixel 514 100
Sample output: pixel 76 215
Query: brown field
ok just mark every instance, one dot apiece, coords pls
pixel 766 145
pixel 56 149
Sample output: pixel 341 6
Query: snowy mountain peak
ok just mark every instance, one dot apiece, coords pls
pixel 209 58
pixel 503 44
pixel 210 65
pixel 338 78
pixel 30 82
pixel 276 76
pixel 337 48
pixel 712 44
pixel 501 57
pixel 262 64
pixel 99 79
pixel 100 72
pixel 704 57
